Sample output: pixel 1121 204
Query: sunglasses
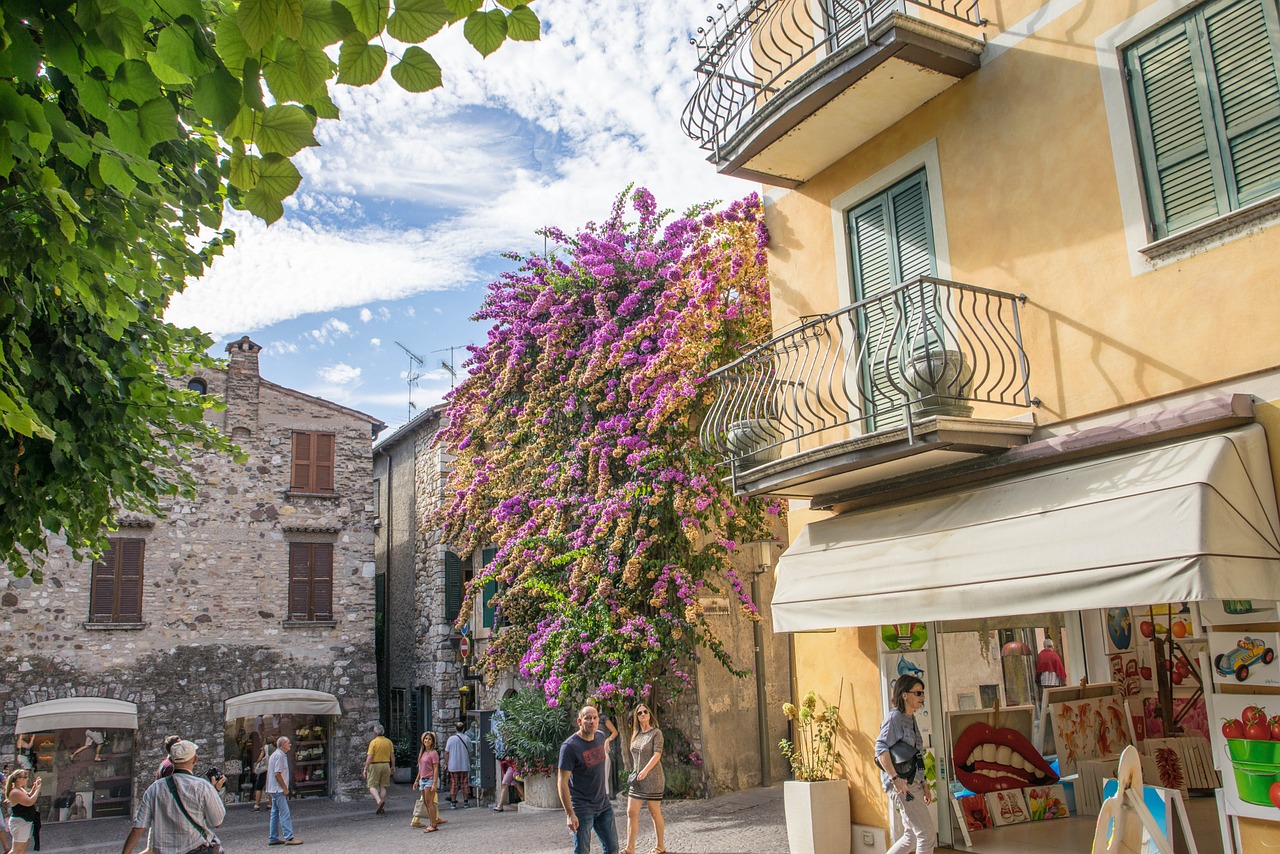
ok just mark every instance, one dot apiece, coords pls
pixel 642 712
pixel 916 693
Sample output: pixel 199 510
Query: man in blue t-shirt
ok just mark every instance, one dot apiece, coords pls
pixel 583 793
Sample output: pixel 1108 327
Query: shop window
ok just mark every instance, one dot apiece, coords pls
pixel 1205 95
pixel 310 582
pixel 115 591
pixel 312 462
pixel 309 766
pixel 87 772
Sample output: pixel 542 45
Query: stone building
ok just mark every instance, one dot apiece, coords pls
pixel 233 618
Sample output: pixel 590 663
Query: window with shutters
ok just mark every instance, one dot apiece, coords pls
pixel 115 590
pixel 312 462
pixel 891 241
pixel 1205 95
pixel 453 581
pixel 310 582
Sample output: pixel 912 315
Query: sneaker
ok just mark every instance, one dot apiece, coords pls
pixel 452 806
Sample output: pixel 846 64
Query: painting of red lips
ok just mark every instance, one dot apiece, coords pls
pixel 988 759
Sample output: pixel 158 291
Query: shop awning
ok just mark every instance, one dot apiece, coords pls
pixel 283 701
pixel 77 713
pixel 1191 520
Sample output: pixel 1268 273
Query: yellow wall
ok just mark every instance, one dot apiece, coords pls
pixel 1031 206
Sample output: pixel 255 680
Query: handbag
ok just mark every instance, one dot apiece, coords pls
pixel 905 759
pixel 212 844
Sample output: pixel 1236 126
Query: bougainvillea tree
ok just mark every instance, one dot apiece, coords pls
pixel 577 454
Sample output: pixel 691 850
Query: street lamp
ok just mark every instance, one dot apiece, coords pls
pixel 762 554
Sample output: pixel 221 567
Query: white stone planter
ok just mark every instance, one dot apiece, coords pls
pixel 540 793
pixel 817 816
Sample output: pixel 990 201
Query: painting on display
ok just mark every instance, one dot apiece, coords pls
pixel 1119 630
pixel 1085 729
pixel 975 812
pixel 1009 807
pixel 1178 620
pixel 1126 672
pixel 1184 669
pixel 1045 803
pixel 900 636
pixel 1247 658
pixel 1225 612
pixel 994 752
pixel 1195 720
pixel 1247 752
pixel 893 666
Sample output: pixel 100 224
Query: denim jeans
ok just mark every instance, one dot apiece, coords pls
pixel 281 829
pixel 603 824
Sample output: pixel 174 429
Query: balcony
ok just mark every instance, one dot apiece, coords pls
pixel 921 376
pixel 787 87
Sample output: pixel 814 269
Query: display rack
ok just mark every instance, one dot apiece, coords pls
pixel 311 775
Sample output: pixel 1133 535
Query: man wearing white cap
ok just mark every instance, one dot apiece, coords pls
pixel 181 809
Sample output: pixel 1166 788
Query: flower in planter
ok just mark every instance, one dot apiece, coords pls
pixel 813 755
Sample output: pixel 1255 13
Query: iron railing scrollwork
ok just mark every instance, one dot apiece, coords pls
pixel 927 347
pixel 753 49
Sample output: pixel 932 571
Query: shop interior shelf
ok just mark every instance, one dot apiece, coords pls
pixel 308 743
pixel 313 789
pixel 311 762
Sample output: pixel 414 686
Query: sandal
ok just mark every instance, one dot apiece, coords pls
pixel 429 830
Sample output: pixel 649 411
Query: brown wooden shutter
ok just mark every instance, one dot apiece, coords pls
pixel 322 463
pixel 299 580
pixel 301 479
pixel 102 586
pixel 322 581
pixel 129 581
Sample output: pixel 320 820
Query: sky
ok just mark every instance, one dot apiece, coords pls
pixel 408 204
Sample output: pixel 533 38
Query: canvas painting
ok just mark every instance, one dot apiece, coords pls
pixel 1250 766
pixel 1009 807
pixel 1088 729
pixel 1225 612
pixel 893 666
pixel 1177 620
pixel 1194 720
pixel 993 753
pixel 1045 803
pixel 975 812
pixel 1126 672
pixel 901 636
pixel 1245 658
pixel 1119 630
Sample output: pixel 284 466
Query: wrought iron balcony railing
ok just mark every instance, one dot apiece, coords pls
pixel 754 48
pixel 927 347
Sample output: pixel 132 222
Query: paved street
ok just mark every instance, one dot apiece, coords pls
pixel 745 823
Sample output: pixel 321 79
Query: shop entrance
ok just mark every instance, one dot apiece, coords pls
pixel 260 719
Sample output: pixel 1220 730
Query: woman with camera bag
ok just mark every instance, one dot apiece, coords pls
pixel 898 753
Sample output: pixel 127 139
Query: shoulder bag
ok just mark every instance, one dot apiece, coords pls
pixel 211 843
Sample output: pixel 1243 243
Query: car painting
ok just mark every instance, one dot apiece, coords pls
pixel 1238 661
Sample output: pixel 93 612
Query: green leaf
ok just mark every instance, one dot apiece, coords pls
pixel 263 206
pixel 217 97
pixel 486 30
pixel 259 20
pixel 157 121
pixel 297 72
pixel 77 152
pixel 172 10
pixel 286 129
pixel 417 20
pixel 134 81
pixel 231 44
pixel 61 45
pixel 113 171
pixel 144 170
pixel 278 178
pixel 122 127
pixel 417 71
pixel 370 16
pixel 22 57
pixel 324 22
pixel 176 49
pixel 360 63
pixel 523 25
pixel 252 80
pixel 459 9
pixel 323 107
pixel 122 31
pixel 245 169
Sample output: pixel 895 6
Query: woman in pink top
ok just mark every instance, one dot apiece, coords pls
pixel 428 782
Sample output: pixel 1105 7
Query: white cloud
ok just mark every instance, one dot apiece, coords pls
pixel 339 374
pixel 375 342
pixel 365 315
pixel 537 134
pixel 330 331
pixel 281 348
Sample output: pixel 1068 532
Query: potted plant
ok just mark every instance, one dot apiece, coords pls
pixel 529 733
pixel 816 801
pixel 406 760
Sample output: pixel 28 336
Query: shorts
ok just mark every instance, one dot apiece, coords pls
pixel 379 775
pixel 424 784
pixel 20 829
pixel 260 781
pixel 509 777
pixel 92 737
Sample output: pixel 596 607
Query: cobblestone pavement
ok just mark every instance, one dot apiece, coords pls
pixel 748 822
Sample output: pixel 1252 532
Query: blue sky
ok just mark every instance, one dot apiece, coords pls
pixel 406 207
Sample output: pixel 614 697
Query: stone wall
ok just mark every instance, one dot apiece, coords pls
pixel 215 584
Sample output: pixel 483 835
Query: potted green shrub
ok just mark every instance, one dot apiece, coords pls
pixel 529 733
pixel 406 760
pixel 816 801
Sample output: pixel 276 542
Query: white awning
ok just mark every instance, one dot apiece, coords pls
pixel 77 713
pixel 1190 520
pixel 283 701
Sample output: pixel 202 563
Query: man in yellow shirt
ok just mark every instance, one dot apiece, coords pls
pixel 379 762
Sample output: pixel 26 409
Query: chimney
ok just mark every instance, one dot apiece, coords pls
pixel 242 386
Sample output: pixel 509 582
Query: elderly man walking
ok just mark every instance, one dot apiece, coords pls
pixel 583 792
pixel 181 809
pixel 379 762
pixel 280 830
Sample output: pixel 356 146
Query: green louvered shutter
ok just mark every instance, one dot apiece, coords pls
pixel 892 240
pixel 1244 43
pixel 452 586
pixel 487 592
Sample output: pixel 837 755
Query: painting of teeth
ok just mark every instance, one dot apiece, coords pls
pixel 993 759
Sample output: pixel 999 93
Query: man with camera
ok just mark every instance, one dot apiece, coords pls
pixel 181 809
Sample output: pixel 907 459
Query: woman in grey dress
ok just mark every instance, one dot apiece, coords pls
pixel 648 783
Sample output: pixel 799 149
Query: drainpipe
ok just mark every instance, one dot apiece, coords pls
pixel 762 708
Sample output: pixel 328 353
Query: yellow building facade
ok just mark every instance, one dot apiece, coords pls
pixel 1090 193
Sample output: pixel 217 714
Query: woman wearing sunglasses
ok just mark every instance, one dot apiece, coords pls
pixel 20 793
pixel 898 753
pixel 647 782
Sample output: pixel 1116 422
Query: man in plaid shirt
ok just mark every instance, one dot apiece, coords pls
pixel 162 810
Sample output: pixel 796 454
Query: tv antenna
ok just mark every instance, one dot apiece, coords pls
pixel 449 365
pixel 412 375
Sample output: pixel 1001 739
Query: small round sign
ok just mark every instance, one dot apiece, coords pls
pixel 464 646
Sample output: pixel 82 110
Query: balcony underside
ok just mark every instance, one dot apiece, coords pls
pixel 846 99
pixel 844 466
